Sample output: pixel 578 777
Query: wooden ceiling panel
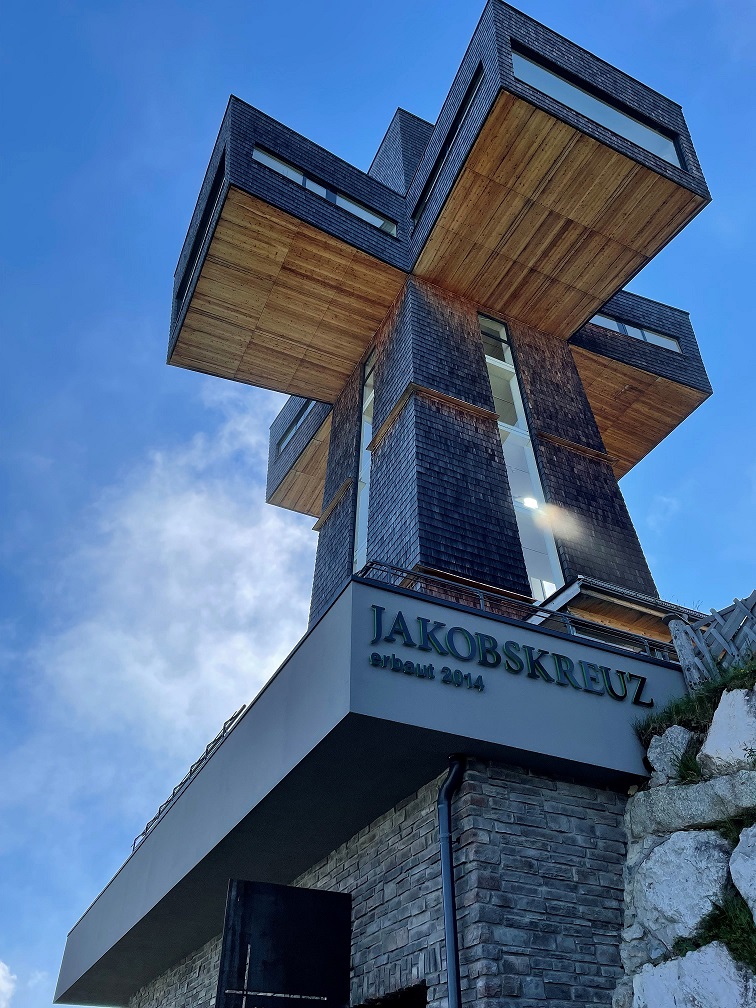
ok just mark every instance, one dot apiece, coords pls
pixel 634 409
pixel 282 305
pixel 544 223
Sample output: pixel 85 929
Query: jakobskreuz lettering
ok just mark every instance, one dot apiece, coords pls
pixel 537 663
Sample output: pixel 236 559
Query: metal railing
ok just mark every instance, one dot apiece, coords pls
pixel 502 603
pixel 194 769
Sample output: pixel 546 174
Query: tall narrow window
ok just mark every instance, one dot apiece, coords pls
pixel 363 476
pixel 536 537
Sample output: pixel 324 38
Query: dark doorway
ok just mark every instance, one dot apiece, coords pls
pixel 284 947
pixel 409 997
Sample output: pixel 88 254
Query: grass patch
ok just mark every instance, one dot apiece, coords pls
pixel 731 829
pixel 696 710
pixel 732 924
pixel 686 768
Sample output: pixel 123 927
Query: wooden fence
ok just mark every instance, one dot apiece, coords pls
pixel 716 643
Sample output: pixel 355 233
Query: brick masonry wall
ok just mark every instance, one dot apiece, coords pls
pixel 439 492
pixel 192 983
pixel 538 865
pixel 540 889
pixel 595 536
pixel 393 872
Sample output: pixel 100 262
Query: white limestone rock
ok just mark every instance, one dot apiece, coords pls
pixel 665 753
pixel 743 867
pixel 675 807
pixel 706 978
pixel 731 740
pixel 623 994
pixel 677 886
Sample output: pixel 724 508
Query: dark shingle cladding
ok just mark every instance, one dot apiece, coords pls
pixel 685 367
pixel 381 189
pixel 280 463
pixel 401 149
pixel 439 493
pixel 437 438
pixel 335 552
pixel 594 533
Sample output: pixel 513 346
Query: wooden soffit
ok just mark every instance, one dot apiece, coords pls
pixel 634 410
pixel 544 224
pixel 626 616
pixel 282 305
pixel 302 487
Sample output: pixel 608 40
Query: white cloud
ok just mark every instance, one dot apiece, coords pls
pixel 177 595
pixel 7 985
pixel 177 598
pixel 662 511
pixel 188 591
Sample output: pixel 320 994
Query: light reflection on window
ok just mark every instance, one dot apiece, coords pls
pixel 536 538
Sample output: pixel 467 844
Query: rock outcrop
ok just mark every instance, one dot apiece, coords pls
pixel 678 884
pixel 679 867
pixel 665 753
pixel 730 743
pixel 743 867
pixel 707 978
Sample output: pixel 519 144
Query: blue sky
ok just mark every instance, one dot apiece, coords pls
pixel 139 561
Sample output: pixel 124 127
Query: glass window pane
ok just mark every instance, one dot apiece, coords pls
pixel 277 165
pixel 288 171
pixel 294 426
pixel 518 455
pixel 635 331
pixel 531 536
pixel 382 223
pixel 505 405
pixel 536 536
pixel 606 322
pixel 594 108
pixel 363 479
pixel 358 211
pixel 316 187
pixel 494 347
pixel 669 342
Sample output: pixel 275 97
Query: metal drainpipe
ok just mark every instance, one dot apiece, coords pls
pixel 445 795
